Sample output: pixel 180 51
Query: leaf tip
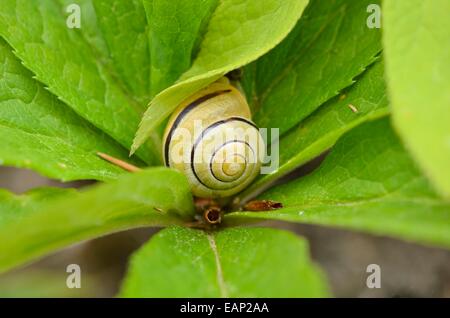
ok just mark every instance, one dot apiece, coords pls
pixel 133 149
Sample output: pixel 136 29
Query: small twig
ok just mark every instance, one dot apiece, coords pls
pixel 353 108
pixel 120 163
pixel 213 215
pixel 158 210
pixel 262 205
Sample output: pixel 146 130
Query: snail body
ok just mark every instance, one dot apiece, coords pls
pixel 212 140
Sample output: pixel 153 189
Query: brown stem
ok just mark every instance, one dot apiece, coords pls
pixel 120 163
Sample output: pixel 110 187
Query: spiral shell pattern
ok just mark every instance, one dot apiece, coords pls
pixel 211 139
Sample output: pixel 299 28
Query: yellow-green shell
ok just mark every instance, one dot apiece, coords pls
pixel 211 139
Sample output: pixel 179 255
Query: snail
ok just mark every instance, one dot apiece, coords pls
pixel 212 140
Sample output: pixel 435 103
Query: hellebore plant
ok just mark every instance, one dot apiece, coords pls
pixel 321 72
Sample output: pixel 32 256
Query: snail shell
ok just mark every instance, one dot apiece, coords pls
pixel 211 139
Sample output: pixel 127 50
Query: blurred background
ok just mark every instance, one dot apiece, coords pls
pixel 407 270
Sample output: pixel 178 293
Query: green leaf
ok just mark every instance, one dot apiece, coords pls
pixel 124 28
pixel 73 67
pixel 175 31
pixel 238 262
pixel 416 38
pixel 367 183
pixel 34 225
pixel 328 48
pixel 40 132
pixel 323 128
pixel 15 207
pixel 238 33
